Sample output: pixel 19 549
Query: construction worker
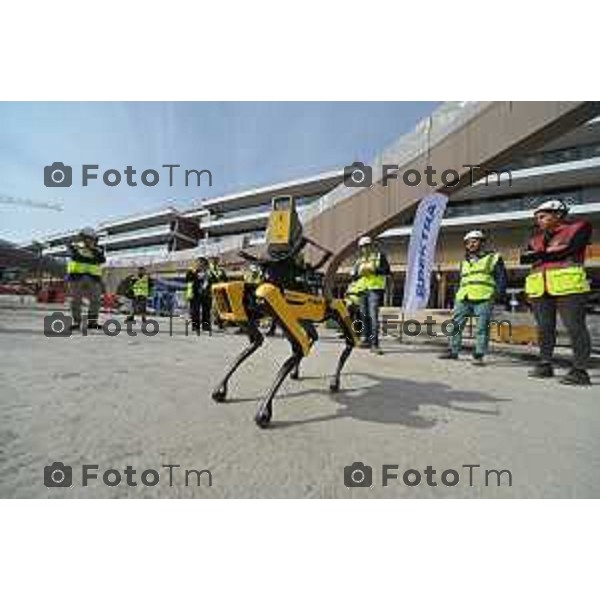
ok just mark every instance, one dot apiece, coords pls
pixel 482 281
pixel 558 283
pixel 370 271
pixel 196 284
pixel 140 287
pixel 85 277
pixel 215 274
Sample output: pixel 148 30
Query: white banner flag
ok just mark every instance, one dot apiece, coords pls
pixel 421 251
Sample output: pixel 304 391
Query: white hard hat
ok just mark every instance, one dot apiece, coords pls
pixel 475 234
pixel 88 232
pixel 365 240
pixel 554 205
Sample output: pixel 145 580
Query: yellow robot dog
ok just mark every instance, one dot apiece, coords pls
pixel 287 292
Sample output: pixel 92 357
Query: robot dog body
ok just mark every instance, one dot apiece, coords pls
pixel 285 295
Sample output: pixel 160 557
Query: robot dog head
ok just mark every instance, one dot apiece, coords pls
pixel 284 230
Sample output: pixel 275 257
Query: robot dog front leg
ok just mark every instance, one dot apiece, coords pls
pixel 265 409
pixel 340 314
pixel 256 340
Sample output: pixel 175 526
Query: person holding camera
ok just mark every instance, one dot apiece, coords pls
pixel 558 283
pixel 84 272
pixel 369 272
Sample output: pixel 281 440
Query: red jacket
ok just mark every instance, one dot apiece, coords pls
pixel 564 246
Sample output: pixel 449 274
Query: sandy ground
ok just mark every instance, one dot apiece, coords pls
pixel 144 402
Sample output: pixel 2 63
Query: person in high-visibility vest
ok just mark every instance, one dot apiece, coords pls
pixel 196 288
pixel 215 274
pixel 558 283
pixel 140 290
pixel 84 271
pixel 482 282
pixel 370 271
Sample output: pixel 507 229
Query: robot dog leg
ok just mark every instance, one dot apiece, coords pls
pixel 256 340
pixel 265 409
pixel 339 313
pixel 314 336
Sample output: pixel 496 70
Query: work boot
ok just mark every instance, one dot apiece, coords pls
pixel 478 360
pixel 576 377
pixel 542 371
pixel 448 355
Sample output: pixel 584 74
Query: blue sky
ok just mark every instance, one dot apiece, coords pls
pixel 244 144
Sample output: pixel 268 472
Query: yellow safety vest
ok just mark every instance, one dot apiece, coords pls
pixel 141 287
pixel 477 278
pixel 367 265
pixel 560 281
pixel 353 292
pixel 80 268
pixel 216 274
pixel 189 290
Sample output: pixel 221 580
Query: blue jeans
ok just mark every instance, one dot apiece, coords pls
pixel 370 301
pixel 463 309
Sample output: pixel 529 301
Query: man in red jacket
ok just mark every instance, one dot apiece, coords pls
pixel 558 283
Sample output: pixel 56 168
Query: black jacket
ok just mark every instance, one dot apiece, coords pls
pixel 200 282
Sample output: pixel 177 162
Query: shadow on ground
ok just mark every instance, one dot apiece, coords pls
pixel 391 401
